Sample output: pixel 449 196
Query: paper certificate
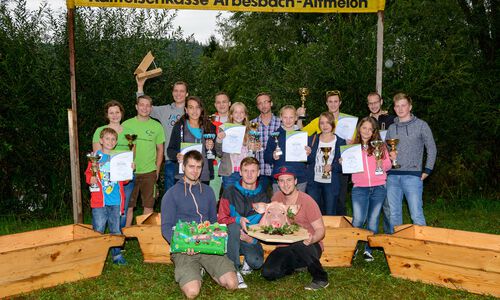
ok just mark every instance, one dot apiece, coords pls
pixel 296 141
pixel 186 147
pixel 346 126
pixel 352 160
pixel 383 134
pixel 233 141
pixel 120 166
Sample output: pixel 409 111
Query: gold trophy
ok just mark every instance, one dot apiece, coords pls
pixel 254 137
pixel 131 138
pixel 303 92
pixel 94 168
pixel 326 155
pixel 393 143
pixel 378 155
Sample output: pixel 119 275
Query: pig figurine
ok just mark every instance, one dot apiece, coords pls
pixel 274 213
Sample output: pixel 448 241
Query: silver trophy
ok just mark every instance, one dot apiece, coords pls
pixel 277 151
pixel 378 155
pixel 94 168
pixel 209 136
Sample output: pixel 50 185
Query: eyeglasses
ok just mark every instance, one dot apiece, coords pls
pixel 333 93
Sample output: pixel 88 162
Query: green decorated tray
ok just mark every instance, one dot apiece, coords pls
pixel 203 237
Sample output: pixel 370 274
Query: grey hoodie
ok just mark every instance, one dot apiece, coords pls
pixel 413 136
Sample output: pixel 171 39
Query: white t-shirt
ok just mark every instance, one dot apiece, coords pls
pixel 320 162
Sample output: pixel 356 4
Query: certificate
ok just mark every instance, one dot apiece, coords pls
pixel 296 141
pixel 120 166
pixel 352 160
pixel 346 126
pixel 233 141
pixel 186 147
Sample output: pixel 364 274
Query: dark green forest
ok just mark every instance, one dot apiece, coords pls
pixel 445 54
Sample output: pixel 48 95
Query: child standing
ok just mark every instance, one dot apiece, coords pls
pixel 288 116
pixel 108 202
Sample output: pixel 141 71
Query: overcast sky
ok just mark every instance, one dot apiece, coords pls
pixel 201 23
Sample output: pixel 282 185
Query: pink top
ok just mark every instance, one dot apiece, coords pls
pixel 368 177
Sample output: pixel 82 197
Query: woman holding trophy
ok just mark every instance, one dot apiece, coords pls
pixel 369 192
pixel 323 165
pixel 114 113
pixel 229 168
pixel 189 133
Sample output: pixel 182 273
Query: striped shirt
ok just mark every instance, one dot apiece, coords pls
pixel 265 133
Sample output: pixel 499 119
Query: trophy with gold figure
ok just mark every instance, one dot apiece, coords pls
pixel 378 156
pixel 303 92
pixel 131 138
pixel 393 143
pixel 94 168
pixel 326 154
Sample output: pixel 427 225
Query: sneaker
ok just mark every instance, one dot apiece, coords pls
pixel 245 269
pixel 317 285
pixel 241 282
pixel 119 260
pixel 368 256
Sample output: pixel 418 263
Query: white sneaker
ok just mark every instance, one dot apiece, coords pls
pixel 245 270
pixel 241 282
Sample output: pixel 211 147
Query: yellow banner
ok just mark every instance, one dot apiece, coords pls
pixel 295 6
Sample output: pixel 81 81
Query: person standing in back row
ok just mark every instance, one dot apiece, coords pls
pixel 414 136
pixel 168 115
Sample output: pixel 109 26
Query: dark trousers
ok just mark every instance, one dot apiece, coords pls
pixel 341 210
pixel 284 260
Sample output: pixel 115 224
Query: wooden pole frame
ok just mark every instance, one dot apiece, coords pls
pixel 73 125
pixel 74 151
pixel 380 51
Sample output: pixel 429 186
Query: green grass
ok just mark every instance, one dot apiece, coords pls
pixel 363 280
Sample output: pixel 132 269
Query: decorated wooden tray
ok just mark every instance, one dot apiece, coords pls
pixel 257 232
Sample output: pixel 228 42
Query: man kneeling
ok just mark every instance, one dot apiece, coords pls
pixel 190 200
pixel 236 210
pixel 285 259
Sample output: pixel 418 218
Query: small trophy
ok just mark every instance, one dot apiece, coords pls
pixel 254 136
pixel 326 155
pixel 303 92
pixel 209 136
pixel 393 143
pixel 94 168
pixel 378 155
pixel 278 151
pixel 131 138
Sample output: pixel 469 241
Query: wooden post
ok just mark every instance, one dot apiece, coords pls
pixel 73 124
pixel 380 50
pixel 75 171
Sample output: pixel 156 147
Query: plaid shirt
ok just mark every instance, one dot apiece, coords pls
pixel 265 133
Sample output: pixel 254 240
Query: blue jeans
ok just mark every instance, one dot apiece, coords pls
pixel 169 174
pixel 230 180
pixel 411 187
pixel 110 215
pixel 366 207
pixel 129 187
pixel 325 195
pixel 253 253
pixel 386 216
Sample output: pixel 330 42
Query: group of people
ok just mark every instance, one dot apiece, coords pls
pixel 259 170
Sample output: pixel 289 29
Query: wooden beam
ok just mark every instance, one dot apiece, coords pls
pixel 73 125
pixel 380 50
